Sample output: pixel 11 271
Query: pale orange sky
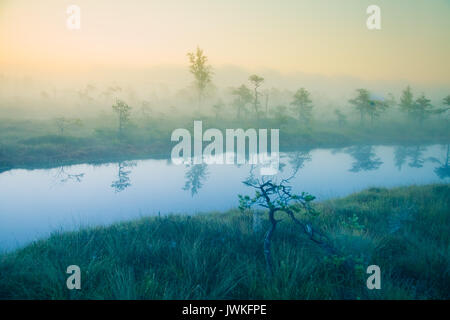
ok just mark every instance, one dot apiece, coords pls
pixel 320 37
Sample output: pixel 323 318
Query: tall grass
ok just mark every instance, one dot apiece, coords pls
pixel 218 255
pixel 30 144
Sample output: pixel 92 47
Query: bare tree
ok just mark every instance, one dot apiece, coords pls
pixel 278 197
pixel 257 81
pixel 123 111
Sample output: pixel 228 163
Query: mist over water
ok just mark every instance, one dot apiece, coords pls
pixel 36 202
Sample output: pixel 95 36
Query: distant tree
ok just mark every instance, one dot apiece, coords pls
pixel 85 94
pixel 341 118
pixel 243 96
pixel 407 102
pixel 302 106
pixel 266 94
pixel 256 81
pixel 280 115
pixel 123 111
pixel 447 100
pixel 377 107
pixel 391 101
pixel 362 103
pixel 146 109
pixel 422 109
pixel 218 108
pixel 109 93
pixel 202 72
pixel 64 123
pixel 368 105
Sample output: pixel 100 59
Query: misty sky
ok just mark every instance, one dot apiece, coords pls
pixel 318 37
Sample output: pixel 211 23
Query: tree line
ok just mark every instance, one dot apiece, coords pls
pixel 250 102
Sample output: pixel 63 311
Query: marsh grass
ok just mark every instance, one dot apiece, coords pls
pixel 218 256
pixel 37 143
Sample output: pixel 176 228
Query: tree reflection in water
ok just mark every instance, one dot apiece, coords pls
pixel 195 176
pixel 365 158
pixel 123 176
pixel 443 171
pixel 298 159
pixel 63 176
pixel 414 154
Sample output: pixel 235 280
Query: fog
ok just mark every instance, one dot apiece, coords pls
pixel 168 88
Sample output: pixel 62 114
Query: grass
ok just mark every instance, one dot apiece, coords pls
pixel 218 255
pixel 37 143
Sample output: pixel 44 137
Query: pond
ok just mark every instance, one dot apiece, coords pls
pixel 37 202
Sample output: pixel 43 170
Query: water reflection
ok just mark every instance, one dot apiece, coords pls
pixel 123 176
pixel 400 155
pixel 63 176
pixel 443 171
pixel 365 158
pixel 414 154
pixel 195 176
pixel 298 159
pixel 322 172
pixel 416 157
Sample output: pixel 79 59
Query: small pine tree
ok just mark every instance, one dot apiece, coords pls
pixel 302 106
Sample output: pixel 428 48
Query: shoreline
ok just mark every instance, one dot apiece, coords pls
pixel 39 164
pixel 222 253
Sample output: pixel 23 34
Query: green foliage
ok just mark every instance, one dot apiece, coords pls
pixel 419 109
pixel 33 143
pixel 243 96
pixel 407 101
pixel 201 71
pixel 353 223
pixel 302 105
pixel 447 100
pixel 422 108
pixel 216 256
pixel 123 111
pixel 368 106
pixel 341 118
pixel 361 102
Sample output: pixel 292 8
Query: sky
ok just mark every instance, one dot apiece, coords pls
pixel 328 38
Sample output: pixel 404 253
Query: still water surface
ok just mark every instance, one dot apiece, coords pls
pixel 36 202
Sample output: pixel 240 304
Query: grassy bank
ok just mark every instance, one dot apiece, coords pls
pixel 37 144
pixel 219 255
